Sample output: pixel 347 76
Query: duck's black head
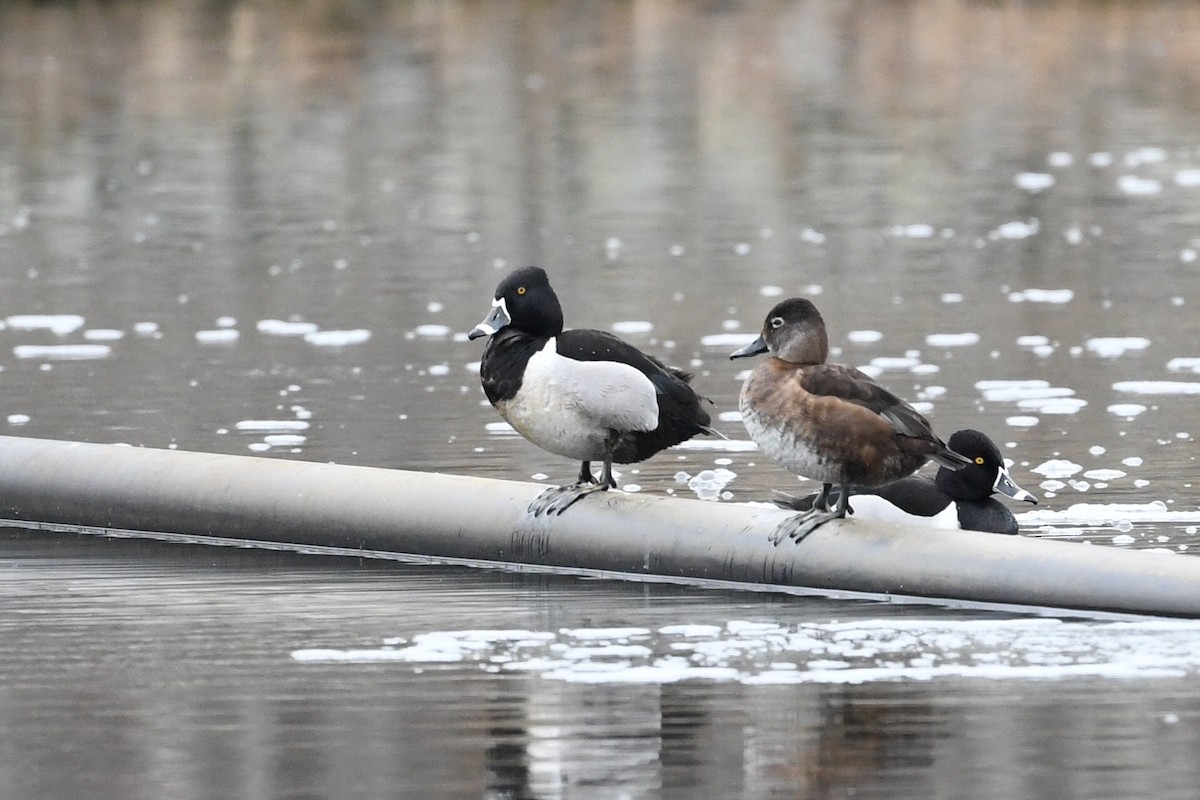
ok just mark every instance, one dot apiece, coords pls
pixel 985 475
pixel 793 331
pixel 524 300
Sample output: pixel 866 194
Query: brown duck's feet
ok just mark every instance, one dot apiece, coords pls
pixel 801 525
pixel 791 503
pixel 560 498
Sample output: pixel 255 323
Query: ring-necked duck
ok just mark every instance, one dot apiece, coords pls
pixel 828 422
pixel 952 499
pixel 583 394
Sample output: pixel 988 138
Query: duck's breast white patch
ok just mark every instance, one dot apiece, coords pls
pixel 568 407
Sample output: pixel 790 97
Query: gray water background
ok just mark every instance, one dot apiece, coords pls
pixel 176 168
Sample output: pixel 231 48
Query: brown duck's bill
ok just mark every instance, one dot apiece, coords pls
pixel 759 345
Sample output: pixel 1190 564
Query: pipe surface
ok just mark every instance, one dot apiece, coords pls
pixel 299 504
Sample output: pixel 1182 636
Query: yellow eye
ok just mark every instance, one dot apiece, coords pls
pixel 520 290
pixel 979 460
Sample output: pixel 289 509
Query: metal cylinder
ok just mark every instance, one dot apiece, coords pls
pixel 430 516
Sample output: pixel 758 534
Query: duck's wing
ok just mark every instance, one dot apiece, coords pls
pixel 583 344
pixel 917 494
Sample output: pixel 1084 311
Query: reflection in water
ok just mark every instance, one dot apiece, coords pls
pixel 264 227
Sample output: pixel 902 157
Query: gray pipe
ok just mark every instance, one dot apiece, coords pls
pixel 295 504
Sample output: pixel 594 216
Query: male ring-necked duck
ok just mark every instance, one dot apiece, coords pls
pixel 583 394
pixel 828 422
pixel 951 499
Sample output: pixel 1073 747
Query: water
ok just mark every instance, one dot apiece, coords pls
pixel 250 229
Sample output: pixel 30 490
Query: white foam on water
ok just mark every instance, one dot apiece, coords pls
pixel 728 339
pixel 145 328
pixel 1101 159
pixel 1127 410
pixel 279 425
pixel 917 230
pixel 1001 391
pixel 719 445
pixel 1132 461
pixel 1188 177
pixel 500 429
pixel 1060 159
pixel 1135 186
pixel 1107 514
pixel 709 483
pixel 771 291
pixel 952 339
pixel 1034 181
pixel 1184 365
pixel 60 324
pixel 62 352
pixel 279 327
pixel 18 419
pixel 219 336
pixel 952 297
pixel 284 439
pixel 103 335
pixel 1032 341
pixel 1054 296
pixel 730 416
pixel 226 322
pixel 1148 154
pixel 439 369
pixel 865 651
pixel 1021 421
pixel 1104 474
pixel 895 362
pixel 1053 405
pixel 337 338
pixel 1114 346
pixel 864 337
pixel 1157 387
pixel 632 326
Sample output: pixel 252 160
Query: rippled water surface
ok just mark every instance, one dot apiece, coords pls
pixel 264 228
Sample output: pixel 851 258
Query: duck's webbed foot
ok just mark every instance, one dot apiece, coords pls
pixel 801 525
pixel 560 498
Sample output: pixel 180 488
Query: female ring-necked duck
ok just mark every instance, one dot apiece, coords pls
pixel 583 394
pixel 951 499
pixel 828 422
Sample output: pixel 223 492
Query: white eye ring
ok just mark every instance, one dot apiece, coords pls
pixel 776 322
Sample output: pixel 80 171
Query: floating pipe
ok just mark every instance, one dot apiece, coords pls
pixel 429 516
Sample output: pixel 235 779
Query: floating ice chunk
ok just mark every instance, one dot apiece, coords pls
pixel 894 362
pixel 632 326
pixel 103 335
pixel 1034 181
pixel 1015 230
pixel 500 429
pixel 439 369
pixel 730 416
pixel 226 322
pixel 1139 187
pixel 1022 422
pixel 145 328
pixel 771 291
pixel 728 339
pixel 812 236
pixel 1101 159
pixel 1127 410
pixel 60 324
pixel 62 352
pixel 1053 405
pixel 1112 347
pixel 337 338
pixel 951 339
pixel 280 425
pixel 1157 387
pixel 1187 255
pixel 1032 341
pixel 432 331
pixel 473 366
pixel 1184 365
pixel 1006 391
pixel 1057 468
pixel 864 337
pixel 1104 474
pixel 279 327
pixel 1110 513
pixel 18 419
pixel 1042 296
pixel 1188 177
pixel 917 230
pixel 1097 450
pixel 219 336
pixel 284 439
pixel 259 447
pixel 1123 539
pixel 952 297
pixel 433 306
pixel 720 445
pixel 1132 461
pixel 1060 159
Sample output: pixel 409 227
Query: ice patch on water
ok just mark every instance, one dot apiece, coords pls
pixel 1157 387
pixel 60 324
pixel 145 328
pixel 1010 391
pixel 917 230
pixel 1032 341
pixel 103 335
pixel 1056 296
pixel 1127 410
pixel 1145 155
pixel 279 327
pixel 894 362
pixel 500 429
pixel 1015 230
pixel 719 445
pixel 951 339
pixel 771 291
pixel 1184 365
pixel 1021 422
pixel 1135 186
pixel 952 297
pixel 865 651
pixel 219 336
pixel 1109 514
pixel 1104 474
pixel 62 352
pixel 275 425
pixel 1060 159
pixel 730 416
pixel 632 326
pixel 1188 177
pixel 709 483
pixel 1101 159
pixel 18 419
pixel 1057 468
pixel 284 439
pixel 864 337
pixel 728 339
pixel 1113 347
pixel 1034 181
pixel 337 338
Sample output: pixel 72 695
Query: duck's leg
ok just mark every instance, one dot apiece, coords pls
pixel 801 525
pixel 557 500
